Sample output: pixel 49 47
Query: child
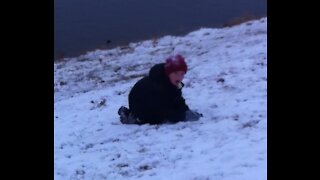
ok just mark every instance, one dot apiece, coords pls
pixel 157 98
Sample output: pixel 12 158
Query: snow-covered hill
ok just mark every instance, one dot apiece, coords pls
pixel 226 82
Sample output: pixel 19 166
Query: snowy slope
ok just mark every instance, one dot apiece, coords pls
pixel 226 82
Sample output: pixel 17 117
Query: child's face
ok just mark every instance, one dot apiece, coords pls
pixel 176 77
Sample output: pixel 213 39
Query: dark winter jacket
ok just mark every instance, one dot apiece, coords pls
pixel 154 99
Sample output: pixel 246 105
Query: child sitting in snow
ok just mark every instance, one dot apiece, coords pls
pixel 157 98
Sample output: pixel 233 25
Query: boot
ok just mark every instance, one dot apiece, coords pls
pixel 125 116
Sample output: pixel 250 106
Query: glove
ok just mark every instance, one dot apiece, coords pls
pixel 192 115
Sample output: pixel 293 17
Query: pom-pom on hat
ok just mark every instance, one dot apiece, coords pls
pixel 175 63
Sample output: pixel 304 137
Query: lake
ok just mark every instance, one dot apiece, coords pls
pixel 86 25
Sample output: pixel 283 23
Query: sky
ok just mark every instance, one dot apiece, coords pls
pixel 226 82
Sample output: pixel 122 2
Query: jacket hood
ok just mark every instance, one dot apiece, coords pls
pixel 157 73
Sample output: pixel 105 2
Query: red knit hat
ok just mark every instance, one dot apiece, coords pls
pixel 175 63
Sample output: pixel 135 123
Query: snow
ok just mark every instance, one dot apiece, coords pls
pixel 226 81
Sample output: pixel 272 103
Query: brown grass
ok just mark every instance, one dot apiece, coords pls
pixel 247 16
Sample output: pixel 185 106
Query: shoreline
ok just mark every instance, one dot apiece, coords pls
pixel 123 45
